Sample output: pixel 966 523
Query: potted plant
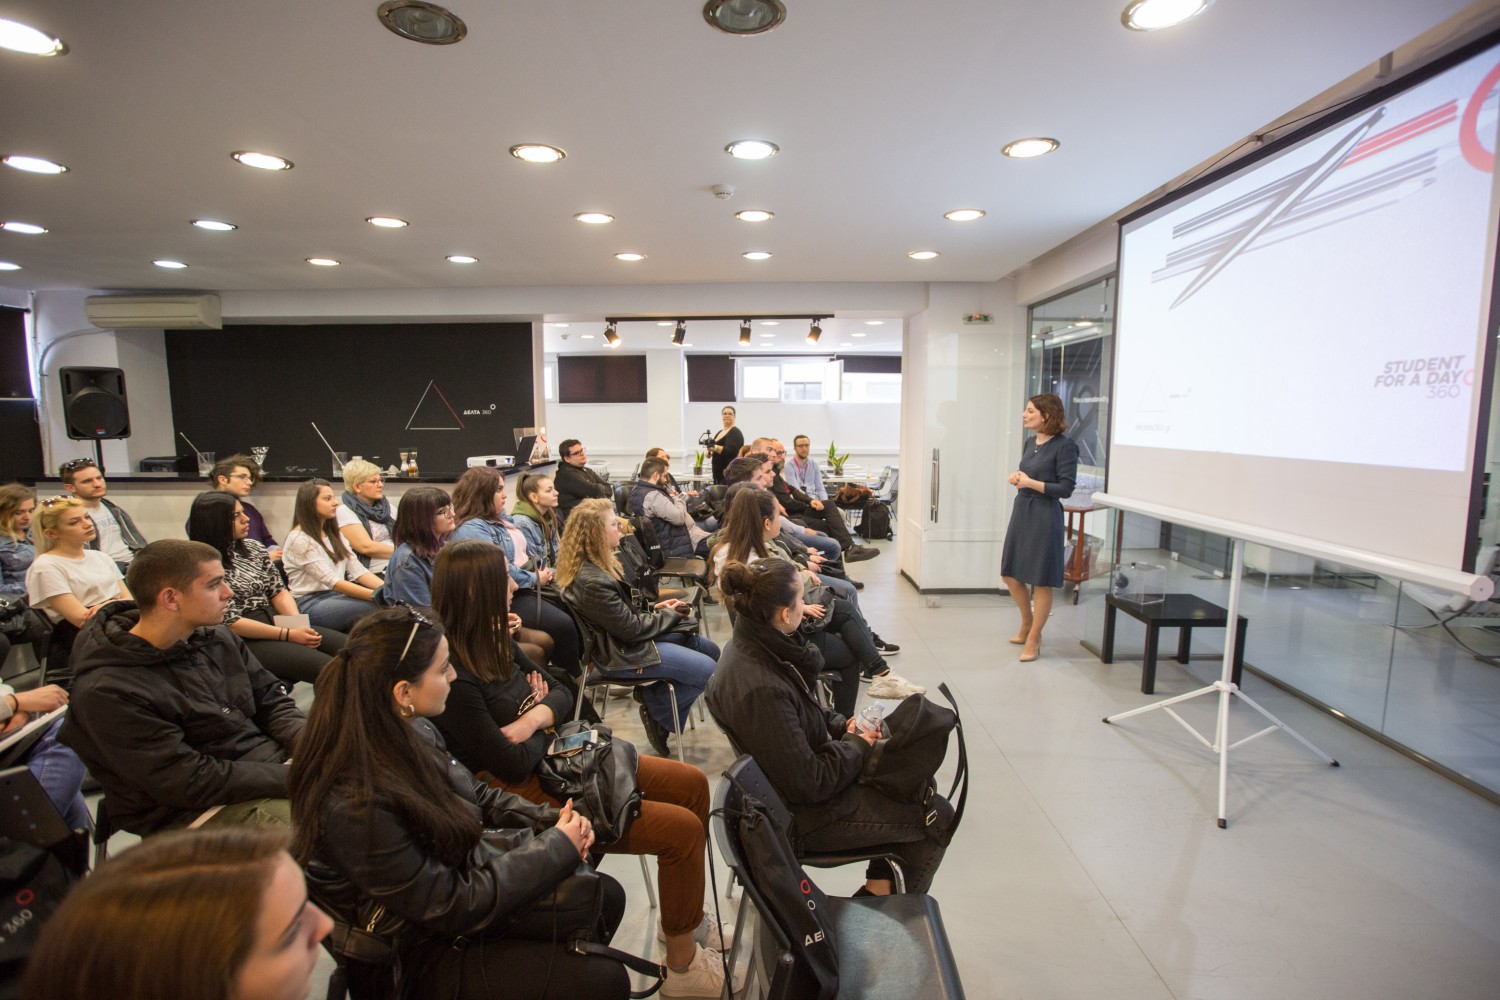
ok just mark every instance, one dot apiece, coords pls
pixel 836 460
pixel 698 457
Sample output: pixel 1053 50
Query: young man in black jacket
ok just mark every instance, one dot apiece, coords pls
pixel 574 480
pixel 169 710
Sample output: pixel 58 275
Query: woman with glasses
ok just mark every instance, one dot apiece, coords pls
pixel 422 527
pixel 329 583
pixel 238 475
pixel 258 594
pixel 631 643
pixel 365 517
pixel 68 581
pixel 727 444
pixel 392 831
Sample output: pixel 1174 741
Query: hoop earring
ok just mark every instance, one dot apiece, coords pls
pixel 407 711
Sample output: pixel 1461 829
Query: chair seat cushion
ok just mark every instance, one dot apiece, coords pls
pixel 678 566
pixel 893 946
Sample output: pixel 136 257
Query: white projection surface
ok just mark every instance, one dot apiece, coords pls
pixel 1300 343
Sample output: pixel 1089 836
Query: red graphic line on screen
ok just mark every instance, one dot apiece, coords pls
pixel 446 403
pixel 1409 129
pixel 1468 130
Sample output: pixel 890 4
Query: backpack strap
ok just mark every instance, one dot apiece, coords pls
pixel 962 774
pixel 634 963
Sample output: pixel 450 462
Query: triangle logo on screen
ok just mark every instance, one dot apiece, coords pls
pixel 433 412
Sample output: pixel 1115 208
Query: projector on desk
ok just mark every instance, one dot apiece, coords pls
pixel 183 464
pixel 493 461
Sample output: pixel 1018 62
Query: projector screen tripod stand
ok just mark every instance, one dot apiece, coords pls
pixel 1227 691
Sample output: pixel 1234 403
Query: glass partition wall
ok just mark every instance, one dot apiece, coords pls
pixel 1415 668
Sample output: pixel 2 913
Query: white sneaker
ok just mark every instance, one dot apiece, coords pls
pixel 892 685
pixel 704 977
pixel 706 934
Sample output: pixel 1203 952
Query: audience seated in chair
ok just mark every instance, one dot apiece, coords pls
pixel 257 594
pixel 365 517
pixel 498 720
pixel 758 470
pixel 810 511
pixel 117 536
pixel 575 481
pixel 170 711
pixel 422 527
pixel 68 581
pixel 638 644
pixel 535 513
pixel 392 831
pixel 17 506
pixel 191 915
pixel 762 696
pixel 679 535
pixel 331 586
pixel 56 768
pixel 238 475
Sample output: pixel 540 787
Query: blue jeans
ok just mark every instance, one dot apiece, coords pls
pixel 840 586
pixel 60 773
pixel 688 661
pixel 819 543
pixel 330 609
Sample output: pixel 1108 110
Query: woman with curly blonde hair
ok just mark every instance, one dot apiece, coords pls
pixel 633 644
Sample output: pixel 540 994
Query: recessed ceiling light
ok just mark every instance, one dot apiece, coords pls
pixel 25 39
pixel 922 254
pixel 594 218
pixel 586 336
pixel 461 258
pixel 687 345
pixel 756 255
pixel 1023 148
pixel 214 225
pixel 386 222
pixel 769 322
pixel 422 22
pixel 744 17
pixel 874 322
pixel 22 227
pixel 536 152
pixel 262 161
pixel 964 214
pixel 752 149
pixel 6 265
pixel 845 343
pixel 857 335
pixel 171 265
pixel 768 336
pixel 754 215
pixel 323 261
pixel 630 255
pixel 560 326
pixel 1153 15
pixel 665 323
pixel 33 165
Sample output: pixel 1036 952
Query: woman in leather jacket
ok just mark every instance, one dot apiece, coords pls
pixel 635 644
pixel 391 830
pixel 499 723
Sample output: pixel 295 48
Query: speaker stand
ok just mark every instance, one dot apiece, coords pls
pixel 99 455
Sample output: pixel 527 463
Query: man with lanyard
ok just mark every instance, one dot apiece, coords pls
pixel 803 473
pixel 813 513
pixel 116 534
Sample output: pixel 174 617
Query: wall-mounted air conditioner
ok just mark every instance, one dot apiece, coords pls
pixel 171 312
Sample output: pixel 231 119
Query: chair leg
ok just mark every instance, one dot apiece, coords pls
pixel 676 720
pixel 650 882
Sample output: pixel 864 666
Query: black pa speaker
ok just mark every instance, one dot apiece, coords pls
pixel 94 405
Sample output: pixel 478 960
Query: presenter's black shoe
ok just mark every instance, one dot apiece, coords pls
pixel 858 553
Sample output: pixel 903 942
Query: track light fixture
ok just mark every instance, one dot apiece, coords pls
pixel 814 332
pixel 610 336
pixel 744 333
pixel 679 334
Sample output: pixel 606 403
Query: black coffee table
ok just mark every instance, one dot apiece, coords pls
pixel 1181 611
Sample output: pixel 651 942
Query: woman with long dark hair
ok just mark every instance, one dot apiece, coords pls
pixel 391 831
pixel 423 523
pixel 639 643
pixel 257 593
pixel 331 586
pixel 1031 563
pixel 496 722
pixel 762 696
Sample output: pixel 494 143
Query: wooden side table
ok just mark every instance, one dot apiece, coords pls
pixel 1077 569
pixel 1181 611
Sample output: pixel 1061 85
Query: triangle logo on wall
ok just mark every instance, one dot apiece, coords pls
pixel 433 412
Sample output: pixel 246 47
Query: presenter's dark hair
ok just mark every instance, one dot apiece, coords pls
pixel 211 521
pixel 761 590
pixel 1054 420
pixel 414 519
pixel 174 917
pixel 171 562
pixel 305 517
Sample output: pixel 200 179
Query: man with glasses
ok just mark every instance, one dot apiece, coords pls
pixel 811 512
pixel 116 534
pixel 575 481
pixel 238 475
pixel 175 717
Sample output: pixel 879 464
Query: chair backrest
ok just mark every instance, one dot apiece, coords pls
pixel 887 493
pixel 622 499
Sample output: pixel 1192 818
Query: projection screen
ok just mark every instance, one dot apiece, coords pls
pixel 1302 341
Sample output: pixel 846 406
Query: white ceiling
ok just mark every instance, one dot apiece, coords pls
pixel 888 114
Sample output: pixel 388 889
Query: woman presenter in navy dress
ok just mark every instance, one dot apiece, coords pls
pixel 1032 561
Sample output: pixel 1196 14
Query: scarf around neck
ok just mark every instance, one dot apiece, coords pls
pixel 379 511
pixel 792 649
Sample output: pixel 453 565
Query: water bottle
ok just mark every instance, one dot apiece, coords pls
pixel 870 718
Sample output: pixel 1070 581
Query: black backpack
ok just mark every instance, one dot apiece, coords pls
pixel 877 521
pixel 903 764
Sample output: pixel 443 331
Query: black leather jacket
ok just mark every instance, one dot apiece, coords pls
pixel 373 872
pixel 621 636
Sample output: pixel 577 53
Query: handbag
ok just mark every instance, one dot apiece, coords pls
pixel 599 777
pixel 818 595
